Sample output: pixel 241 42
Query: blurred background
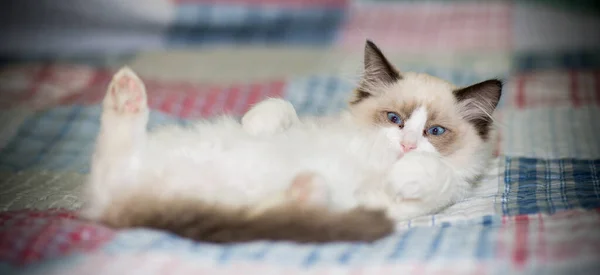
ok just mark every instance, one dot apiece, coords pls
pixel 225 40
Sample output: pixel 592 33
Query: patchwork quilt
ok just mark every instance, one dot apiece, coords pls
pixel 536 211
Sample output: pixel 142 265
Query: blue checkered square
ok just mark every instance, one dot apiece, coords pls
pixel 546 186
pixel 318 95
pixel 242 24
pixel 577 60
pixel 60 139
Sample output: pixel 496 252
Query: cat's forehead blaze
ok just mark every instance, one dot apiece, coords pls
pixel 421 90
pixel 445 144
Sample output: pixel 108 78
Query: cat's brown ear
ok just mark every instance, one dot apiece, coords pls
pixel 377 71
pixel 477 103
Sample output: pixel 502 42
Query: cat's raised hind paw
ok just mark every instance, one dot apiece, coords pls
pixel 126 92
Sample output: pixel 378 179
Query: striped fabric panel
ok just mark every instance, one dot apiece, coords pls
pixel 548 186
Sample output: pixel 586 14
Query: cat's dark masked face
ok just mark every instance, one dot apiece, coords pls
pixel 432 115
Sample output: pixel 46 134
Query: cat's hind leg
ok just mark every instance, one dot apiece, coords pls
pixel 118 153
pixel 126 93
pixel 124 113
pixel 269 117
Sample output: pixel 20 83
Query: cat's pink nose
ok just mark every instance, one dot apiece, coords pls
pixel 408 146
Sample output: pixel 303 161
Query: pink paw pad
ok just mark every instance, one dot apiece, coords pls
pixel 127 92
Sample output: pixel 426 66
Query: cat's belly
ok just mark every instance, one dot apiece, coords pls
pixel 240 169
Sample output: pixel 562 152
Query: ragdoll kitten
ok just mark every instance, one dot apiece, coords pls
pixel 215 182
pixel 445 132
pixel 393 155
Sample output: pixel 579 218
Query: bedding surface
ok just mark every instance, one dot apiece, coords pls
pixel 536 211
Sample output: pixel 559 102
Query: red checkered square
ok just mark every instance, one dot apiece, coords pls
pixel 47 86
pixel 31 236
pixel 554 88
pixel 42 86
pixel 18 83
pixel 555 238
pixel 188 100
pixel 420 27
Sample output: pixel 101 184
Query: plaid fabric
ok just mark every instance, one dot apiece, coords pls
pixel 577 60
pixel 570 88
pixel 462 26
pixel 536 211
pixel 511 242
pixel 547 186
pixel 560 132
pixel 544 28
pixel 208 23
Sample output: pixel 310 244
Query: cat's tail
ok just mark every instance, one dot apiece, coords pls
pixel 202 222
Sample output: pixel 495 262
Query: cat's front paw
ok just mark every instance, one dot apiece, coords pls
pixel 269 117
pixel 415 177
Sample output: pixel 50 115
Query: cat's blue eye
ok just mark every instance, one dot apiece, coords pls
pixel 394 118
pixel 436 130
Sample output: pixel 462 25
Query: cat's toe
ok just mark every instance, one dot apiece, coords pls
pixel 127 93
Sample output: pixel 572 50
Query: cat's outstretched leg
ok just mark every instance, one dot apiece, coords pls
pixel 269 117
pixel 421 184
pixel 119 144
pixel 124 113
